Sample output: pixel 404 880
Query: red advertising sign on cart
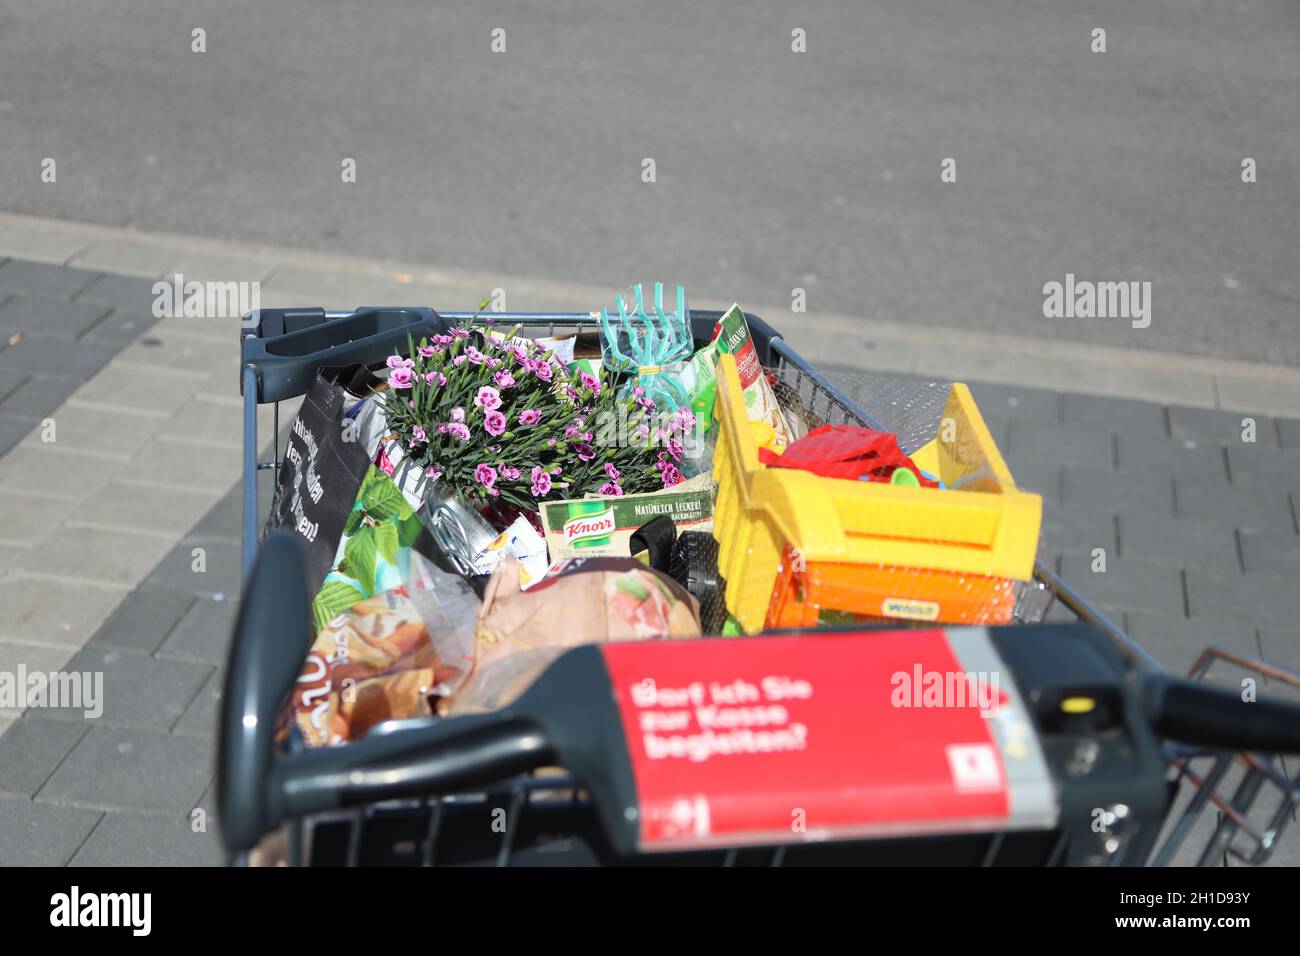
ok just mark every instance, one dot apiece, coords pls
pixel 832 735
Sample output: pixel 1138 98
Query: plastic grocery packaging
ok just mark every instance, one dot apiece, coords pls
pixel 580 601
pixel 732 337
pixel 847 451
pixel 377 547
pixel 386 657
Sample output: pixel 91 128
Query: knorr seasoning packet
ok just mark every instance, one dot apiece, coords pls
pixel 731 335
pixel 603 526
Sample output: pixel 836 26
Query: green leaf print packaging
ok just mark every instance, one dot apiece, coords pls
pixel 375 551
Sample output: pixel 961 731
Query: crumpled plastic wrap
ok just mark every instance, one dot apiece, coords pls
pixel 580 601
pixel 386 657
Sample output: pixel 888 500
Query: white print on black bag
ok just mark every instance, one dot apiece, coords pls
pixel 322 469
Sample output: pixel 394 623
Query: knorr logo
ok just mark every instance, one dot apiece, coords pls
pixel 593 528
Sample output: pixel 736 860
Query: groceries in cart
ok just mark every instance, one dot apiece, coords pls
pixel 376 547
pixel 648 346
pixel 501 422
pixel 428 647
pixel 848 451
pixel 732 337
pixel 592 600
pixel 603 525
pixel 323 467
pixel 497 598
pixel 800 549
pixel 388 657
pixel 744 497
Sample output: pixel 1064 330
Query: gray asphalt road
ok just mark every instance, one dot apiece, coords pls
pixel 775 169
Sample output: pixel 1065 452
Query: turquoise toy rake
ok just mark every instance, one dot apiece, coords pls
pixel 650 344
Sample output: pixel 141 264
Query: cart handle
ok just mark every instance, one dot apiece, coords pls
pixel 271 641
pixel 285 347
pixel 257 791
pixel 1204 716
pixel 438 757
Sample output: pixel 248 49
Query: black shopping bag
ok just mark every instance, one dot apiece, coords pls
pixel 325 461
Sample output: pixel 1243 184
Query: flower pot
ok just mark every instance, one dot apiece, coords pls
pixel 458 529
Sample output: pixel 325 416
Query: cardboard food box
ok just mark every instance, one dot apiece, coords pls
pixel 603 526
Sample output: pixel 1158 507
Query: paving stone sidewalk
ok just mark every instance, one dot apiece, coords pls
pixel 107 527
pixel 1197 526
pixel 111 452
pixel 135 786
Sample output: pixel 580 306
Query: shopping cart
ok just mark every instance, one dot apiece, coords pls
pixel 469 791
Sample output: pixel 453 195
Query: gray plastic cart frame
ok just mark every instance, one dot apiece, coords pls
pixel 281 365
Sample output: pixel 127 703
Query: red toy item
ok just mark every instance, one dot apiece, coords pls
pixel 846 451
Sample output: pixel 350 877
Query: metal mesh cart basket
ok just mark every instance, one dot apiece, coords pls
pixel 549 819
